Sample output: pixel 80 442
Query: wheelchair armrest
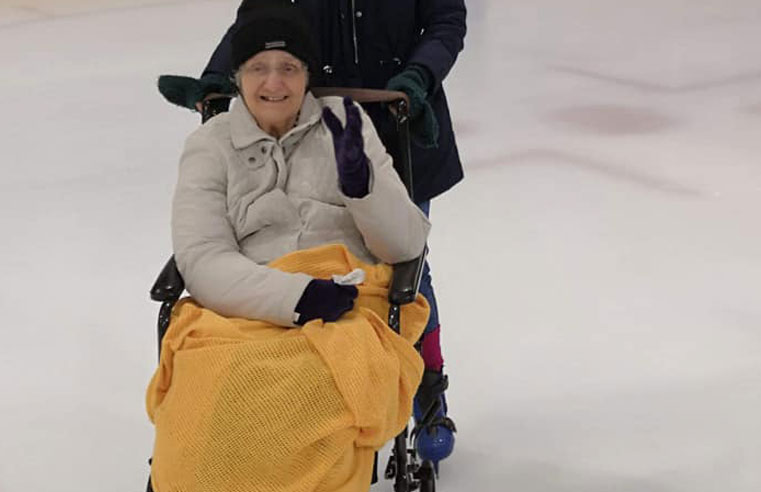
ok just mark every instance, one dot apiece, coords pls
pixel 405 280
pixel 169 284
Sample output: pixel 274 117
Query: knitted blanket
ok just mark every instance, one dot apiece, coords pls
pixel 244 406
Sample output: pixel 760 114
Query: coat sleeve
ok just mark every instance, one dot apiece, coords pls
pixel 216 274
pixel 220 62
pixel 393 228
pixel 443 25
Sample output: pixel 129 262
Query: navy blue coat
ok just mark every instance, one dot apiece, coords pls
pixel 363 43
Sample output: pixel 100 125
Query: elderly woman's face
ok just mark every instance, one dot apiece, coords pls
pixel 273 84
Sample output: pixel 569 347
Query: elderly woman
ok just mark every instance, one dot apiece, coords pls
pixel 272 199
pixel 280 173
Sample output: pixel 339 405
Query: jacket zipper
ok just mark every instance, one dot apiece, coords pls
pixel 354 31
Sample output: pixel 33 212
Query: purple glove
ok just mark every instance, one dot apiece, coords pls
pixel 353 166
pixel 325 299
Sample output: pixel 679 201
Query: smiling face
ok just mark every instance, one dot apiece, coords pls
pixel 272 84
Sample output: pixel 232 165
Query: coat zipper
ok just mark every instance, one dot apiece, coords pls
pixel 354 31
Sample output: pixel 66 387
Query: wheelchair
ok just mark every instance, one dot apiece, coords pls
pixel 407 471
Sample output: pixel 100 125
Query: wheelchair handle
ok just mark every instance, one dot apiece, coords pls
pixel 362 95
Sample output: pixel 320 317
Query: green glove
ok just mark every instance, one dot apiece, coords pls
pixel 187 91
pixel 415 81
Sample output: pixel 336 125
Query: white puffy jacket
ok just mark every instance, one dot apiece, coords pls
pixel 244 198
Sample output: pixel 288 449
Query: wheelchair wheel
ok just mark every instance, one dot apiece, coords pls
pixel 427 477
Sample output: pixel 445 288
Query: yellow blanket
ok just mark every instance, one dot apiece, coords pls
pixel 245 406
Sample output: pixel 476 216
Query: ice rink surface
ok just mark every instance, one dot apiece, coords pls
pixel 598 271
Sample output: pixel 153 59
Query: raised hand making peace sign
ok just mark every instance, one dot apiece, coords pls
pixel 352 163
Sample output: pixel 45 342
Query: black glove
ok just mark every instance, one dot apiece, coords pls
pixel 352 163
pixel 415 81
pixel 187 91
pixel 325 299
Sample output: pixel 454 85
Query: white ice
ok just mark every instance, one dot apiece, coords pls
pixel 598 271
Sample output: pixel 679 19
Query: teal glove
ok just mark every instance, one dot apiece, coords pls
pixel 187 91
pixel 415 81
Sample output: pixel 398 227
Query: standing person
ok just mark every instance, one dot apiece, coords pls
pixel 405 45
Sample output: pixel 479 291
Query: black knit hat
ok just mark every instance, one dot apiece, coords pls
pixel 272 25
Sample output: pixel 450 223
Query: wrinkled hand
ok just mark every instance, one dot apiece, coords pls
pixel 351 161
pixel 325 299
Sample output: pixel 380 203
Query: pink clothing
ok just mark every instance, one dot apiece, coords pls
pixel 431 350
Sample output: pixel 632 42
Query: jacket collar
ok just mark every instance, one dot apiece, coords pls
pixel 244 130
